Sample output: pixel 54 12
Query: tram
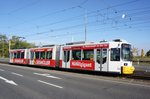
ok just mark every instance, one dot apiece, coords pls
pixel 114 56
pixel 19 56
pixel 45 56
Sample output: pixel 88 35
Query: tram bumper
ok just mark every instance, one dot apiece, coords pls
pixel 127 69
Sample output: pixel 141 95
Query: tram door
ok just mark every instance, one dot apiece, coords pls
pixel 31 58
pixel 66 59
pixel 102 59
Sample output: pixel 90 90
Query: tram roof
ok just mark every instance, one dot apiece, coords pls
pixel 80 43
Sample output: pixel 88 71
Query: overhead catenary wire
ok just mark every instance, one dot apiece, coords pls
pixel 51 13
pixel 23 7
pixel 94 31
pixel 59 29
pixel 91 12
pixel 64 28
pixel 74 26
pixel 78 17
pixel 70 8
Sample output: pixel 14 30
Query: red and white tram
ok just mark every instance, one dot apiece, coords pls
pixel 114 56
pixel 19 56
pixel 45 56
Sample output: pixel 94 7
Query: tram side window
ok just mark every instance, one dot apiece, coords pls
pixel 15 55
pixel 49 55
pixel 42 55
pixel 98 55
pixel 115 54
pixel 22 54
pixel 104 56
pixel 88 55
pixel 76 54
pixel 37 55
pixel 18 54
pixel 101 56
pixel 32 55
pixel 66 56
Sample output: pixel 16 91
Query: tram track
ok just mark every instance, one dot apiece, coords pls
pixel 139 74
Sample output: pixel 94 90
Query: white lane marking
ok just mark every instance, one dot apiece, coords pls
pixel 50 84
pixel 8 81
pixel 47 75
pixel 16 74
pixel 2 70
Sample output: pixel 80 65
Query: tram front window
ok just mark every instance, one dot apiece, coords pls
pixel 126 53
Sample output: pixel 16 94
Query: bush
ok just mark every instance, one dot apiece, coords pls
pixel 148 53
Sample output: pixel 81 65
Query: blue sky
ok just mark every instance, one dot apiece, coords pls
pixel 61 21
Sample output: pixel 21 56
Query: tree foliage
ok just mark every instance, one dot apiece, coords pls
pixel 3 46
pixel 15 43
pixel 148 53
pixel 19 43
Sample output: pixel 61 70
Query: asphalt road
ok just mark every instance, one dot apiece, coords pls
pixel 19 82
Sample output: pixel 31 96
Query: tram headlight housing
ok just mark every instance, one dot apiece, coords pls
pixel 125 64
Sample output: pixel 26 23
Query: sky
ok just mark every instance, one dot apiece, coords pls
pixel 61 21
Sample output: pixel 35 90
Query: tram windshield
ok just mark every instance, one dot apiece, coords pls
pixel 126 53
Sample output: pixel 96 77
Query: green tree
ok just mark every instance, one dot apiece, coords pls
pixel 3 46
pixel 19 43
pixel 15 43
pixel 148 53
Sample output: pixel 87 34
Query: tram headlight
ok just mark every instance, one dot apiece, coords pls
pixel 125 64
